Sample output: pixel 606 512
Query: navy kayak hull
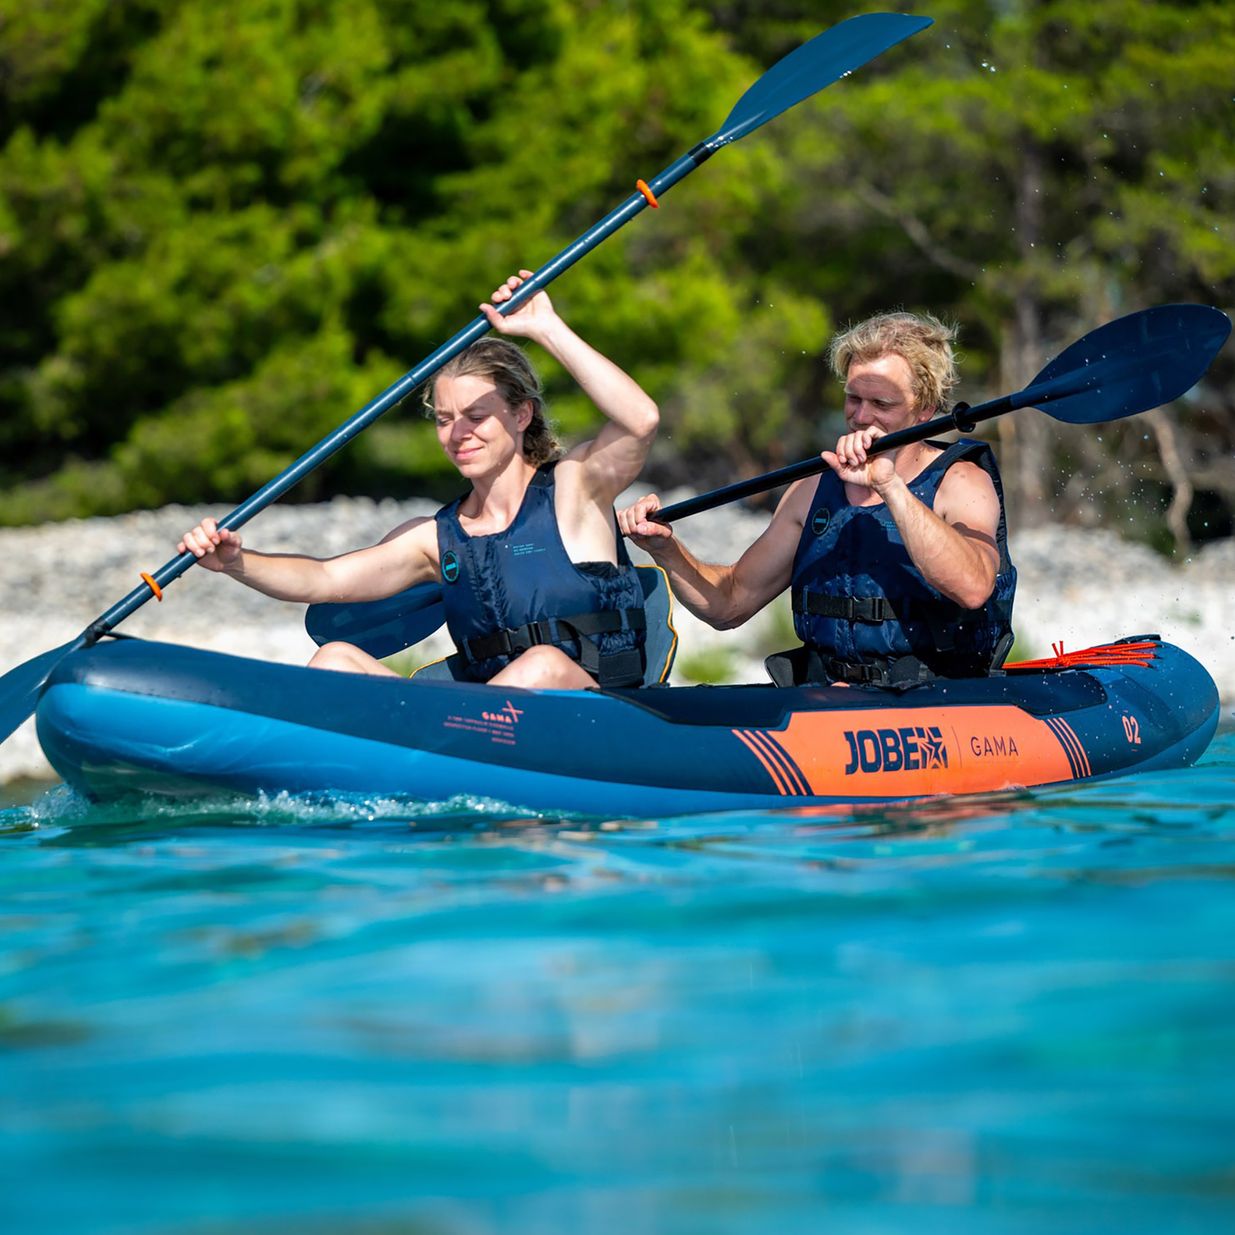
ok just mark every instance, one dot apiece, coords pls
pixel 129 716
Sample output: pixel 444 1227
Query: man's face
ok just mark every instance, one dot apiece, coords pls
pixel 880 392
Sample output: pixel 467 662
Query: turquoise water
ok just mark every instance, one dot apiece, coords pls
pixel 1013 1014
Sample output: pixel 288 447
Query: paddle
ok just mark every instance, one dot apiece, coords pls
pixel 380 627
pixel 825 59
pixel 1127 366
pixel 1130 365
pixel 386 626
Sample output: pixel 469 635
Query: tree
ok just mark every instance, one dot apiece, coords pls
pixel 1035 169
pixel 255 182
pixel 225 226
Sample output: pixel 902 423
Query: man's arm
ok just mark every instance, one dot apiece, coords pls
pixel 954 546
pixel 723 596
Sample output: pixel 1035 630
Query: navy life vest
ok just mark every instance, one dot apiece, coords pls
pixel 517 588
pixel 863 609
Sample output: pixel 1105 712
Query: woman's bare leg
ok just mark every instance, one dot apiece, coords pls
pixel 544 668
pixel 347 658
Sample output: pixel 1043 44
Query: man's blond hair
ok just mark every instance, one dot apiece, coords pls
pixel 922 341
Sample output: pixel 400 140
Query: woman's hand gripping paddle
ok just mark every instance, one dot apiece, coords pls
pixel 383 627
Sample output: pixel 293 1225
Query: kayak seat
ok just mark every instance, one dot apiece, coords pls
pixel 660 645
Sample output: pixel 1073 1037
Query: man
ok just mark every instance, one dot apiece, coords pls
pixel 898 561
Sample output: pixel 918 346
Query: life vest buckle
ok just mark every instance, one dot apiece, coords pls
pixel 522 638
pixel 872 609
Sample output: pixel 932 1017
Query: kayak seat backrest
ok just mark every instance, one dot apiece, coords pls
pixel 660 647
pixel 443 670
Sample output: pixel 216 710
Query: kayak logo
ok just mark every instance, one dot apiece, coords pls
pixel 500 726
pixel 987 746
pixel 820 521
pixel 912 748
pixel 450 565
pixel 509 715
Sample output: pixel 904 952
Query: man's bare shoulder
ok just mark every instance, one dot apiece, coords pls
pixel 795 503
pixel 966 491
pixel 966 476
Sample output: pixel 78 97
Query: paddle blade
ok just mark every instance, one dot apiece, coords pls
pixel 825 59
pixel 379 627
pixel 20 687
pixel 1129 365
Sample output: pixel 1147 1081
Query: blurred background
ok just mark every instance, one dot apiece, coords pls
pixel 225 225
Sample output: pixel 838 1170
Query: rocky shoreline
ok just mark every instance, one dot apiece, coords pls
pixel 1076 587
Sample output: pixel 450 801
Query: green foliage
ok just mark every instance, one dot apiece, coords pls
pixel 778 635
pixel 220 220
pixel 708 667
pixel 226 226
pixel 1032 171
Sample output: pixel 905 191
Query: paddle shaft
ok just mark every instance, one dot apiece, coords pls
pixel 962 418
pixel 827 58
pixel 1126 366
pixel 1123 367
pixel 398 391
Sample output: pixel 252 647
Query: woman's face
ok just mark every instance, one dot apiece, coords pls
pixel 477 428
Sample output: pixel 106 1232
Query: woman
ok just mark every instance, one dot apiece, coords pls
pixel 538 591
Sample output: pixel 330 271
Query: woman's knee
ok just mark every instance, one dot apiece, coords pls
pixel 346 658
pixel 544 668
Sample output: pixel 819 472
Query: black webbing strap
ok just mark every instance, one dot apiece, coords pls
pixel 847 608
pixel 900 673
pixel 518 639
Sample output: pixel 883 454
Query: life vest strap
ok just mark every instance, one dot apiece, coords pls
pixel 519 639
pixel 847 608
pixel 898 674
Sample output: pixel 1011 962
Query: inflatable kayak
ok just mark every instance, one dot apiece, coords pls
pixel 128 716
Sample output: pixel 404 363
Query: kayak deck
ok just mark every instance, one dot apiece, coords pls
pixel 133 716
